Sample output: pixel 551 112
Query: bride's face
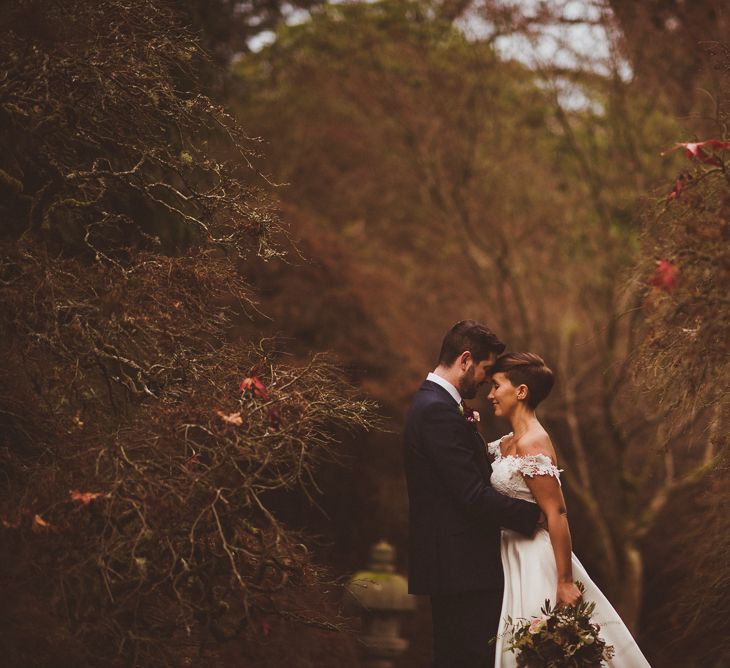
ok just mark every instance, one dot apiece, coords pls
pixel 503 395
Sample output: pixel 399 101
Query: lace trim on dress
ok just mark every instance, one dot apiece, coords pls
pixel 529 465
pixel 532 465
pixel 493 448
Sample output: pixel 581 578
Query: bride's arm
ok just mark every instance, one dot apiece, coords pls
pixel 549 496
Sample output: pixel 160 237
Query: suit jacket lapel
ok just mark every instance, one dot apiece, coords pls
pixel 478 441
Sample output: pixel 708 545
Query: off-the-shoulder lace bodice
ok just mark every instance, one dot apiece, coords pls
pixel 508 472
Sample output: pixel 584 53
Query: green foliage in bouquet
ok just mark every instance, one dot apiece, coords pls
pixel 561 637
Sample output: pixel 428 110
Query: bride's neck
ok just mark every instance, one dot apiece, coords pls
pixel 522 420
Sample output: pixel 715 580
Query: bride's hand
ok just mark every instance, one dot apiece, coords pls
pixel 568 594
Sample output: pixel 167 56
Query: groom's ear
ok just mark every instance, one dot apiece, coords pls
pixel 522 391
pixel 464 359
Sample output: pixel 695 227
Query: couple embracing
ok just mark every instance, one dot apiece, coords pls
pixel 488 528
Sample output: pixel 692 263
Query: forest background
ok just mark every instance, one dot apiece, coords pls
pixel 187 480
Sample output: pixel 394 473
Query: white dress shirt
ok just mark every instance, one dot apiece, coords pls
pixel 434 378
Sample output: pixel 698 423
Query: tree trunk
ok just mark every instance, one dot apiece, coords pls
pixel 631 588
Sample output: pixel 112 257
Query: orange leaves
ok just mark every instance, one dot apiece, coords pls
pixel 231 418
pixel 39 524
pixel 251 386
pixel 85 498
pixel 255 388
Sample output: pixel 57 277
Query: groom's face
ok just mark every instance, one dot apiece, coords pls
pixel 475 375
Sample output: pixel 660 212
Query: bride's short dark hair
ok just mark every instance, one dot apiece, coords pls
pixel 527 369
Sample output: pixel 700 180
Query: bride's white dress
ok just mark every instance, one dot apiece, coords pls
pixel 530 574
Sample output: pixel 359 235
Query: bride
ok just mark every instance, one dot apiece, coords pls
pixel 525 467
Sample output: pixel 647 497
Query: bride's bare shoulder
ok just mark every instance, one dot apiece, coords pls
pixel 536 442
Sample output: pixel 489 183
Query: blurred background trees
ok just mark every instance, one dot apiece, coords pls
pixel 510 162
pixel 509 190
pixel 666 40
pixel 226 26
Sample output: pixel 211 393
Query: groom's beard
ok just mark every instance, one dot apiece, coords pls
pixel 468 386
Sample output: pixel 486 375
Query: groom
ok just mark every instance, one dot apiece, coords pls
pixel 455 515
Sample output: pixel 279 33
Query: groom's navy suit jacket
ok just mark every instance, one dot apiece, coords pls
pixel 455 515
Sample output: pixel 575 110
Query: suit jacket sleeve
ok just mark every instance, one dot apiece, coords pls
pixel 450 446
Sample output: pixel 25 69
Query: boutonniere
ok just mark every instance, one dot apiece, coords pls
pixel 469 413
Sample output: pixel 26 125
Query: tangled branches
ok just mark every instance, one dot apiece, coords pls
pixel 108 145
pixel 140 469
pixel 141 446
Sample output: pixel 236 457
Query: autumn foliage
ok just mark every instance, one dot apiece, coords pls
pixel 681 361
pixel 161 412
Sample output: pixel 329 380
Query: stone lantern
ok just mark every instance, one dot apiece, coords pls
pixel 380 596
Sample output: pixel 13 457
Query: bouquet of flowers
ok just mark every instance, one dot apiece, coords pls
pixel 561 637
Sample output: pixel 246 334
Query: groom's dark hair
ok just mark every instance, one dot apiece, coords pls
pixel 469 335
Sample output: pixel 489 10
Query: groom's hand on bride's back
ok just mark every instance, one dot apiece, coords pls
pixel 541 522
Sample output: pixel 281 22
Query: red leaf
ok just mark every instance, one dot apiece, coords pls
pixel 84 497
pixel 696 150
pixel 274 419
pixel 266 628
pixel 665 275
pixel 717 144
pixel 679 186
pixel 255 387
pixel 193 460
